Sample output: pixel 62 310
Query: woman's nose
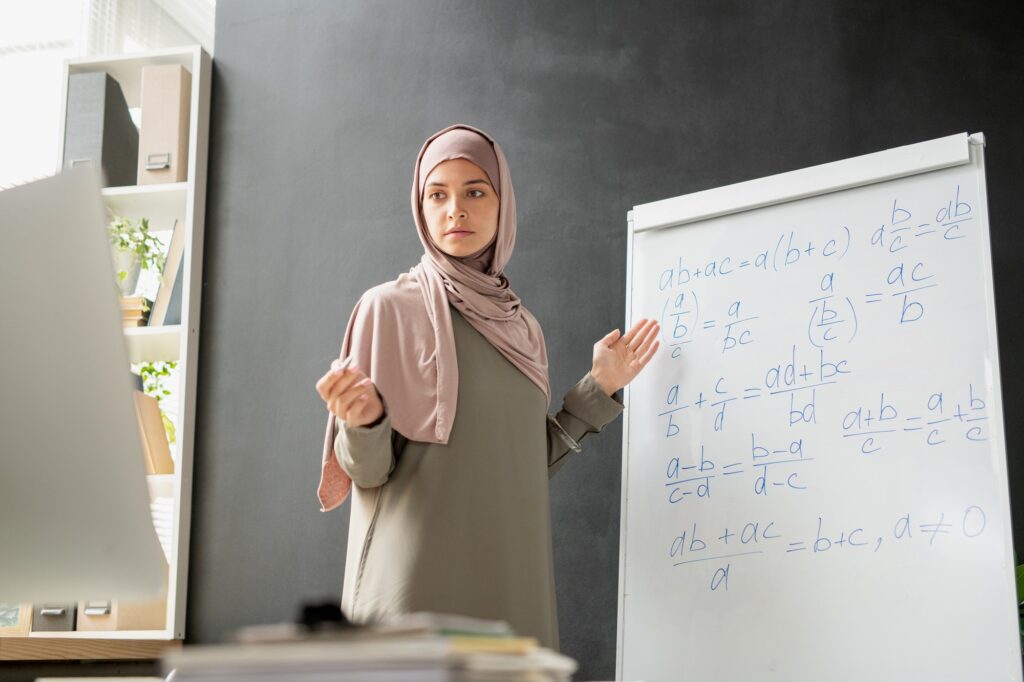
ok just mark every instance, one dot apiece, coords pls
pixel 455 210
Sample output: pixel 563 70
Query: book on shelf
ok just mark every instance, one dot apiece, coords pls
pixel 134 303
pixel 162 308
pixel 134 320
pixel 134 311
pixel 155 447
pixel 173 315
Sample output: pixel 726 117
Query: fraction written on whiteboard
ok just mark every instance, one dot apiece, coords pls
pixel 832 314
pixel 757 537
pixel 795 382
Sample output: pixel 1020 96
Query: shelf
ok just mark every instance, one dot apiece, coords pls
pixel 151 344
pixel 161 204
pixel 87 646
pixel 148 191
pixel 156 635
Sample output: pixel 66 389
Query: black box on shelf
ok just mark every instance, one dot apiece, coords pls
pixel 98 128
pixel 53 617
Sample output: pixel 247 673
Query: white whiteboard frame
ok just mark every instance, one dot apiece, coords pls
pixel 891 164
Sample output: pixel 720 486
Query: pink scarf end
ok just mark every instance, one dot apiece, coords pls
pixel 335 484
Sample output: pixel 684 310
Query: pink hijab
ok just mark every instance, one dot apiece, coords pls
pixel 400 332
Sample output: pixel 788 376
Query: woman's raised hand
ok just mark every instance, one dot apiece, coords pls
pixel 350 395
pixel 617 360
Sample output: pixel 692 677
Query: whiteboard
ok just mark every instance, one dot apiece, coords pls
pixel 814 471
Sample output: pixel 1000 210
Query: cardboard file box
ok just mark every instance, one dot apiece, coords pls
pixel 163 138
pixel 118 614
pixel 53 617
pixel 94 616
pixel 142 615
pixel 98 129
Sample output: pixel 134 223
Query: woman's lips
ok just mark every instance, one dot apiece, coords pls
pixel 458 234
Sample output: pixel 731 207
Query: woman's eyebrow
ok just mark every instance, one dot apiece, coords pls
pixel 468 182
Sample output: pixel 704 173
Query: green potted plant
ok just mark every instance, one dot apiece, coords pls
pixel 153 376
pixel 133 248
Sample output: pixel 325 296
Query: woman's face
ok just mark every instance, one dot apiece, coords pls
pixel 460 207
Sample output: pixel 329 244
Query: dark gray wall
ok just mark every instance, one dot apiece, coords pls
pixel 319 109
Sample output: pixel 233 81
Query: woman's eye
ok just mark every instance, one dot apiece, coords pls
pixel 434 195
pixel 479 193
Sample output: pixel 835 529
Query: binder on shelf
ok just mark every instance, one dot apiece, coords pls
pixel 98 129
pixel 174 305
pixel 53 617
pixel 154 438
pixel 163 140
pixel 169 279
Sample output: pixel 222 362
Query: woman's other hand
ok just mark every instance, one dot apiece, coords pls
pixel 350 395
pixel 617 360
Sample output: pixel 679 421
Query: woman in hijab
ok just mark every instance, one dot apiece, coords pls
pixel 438 419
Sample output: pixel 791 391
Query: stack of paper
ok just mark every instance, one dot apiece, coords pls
pixel 414 649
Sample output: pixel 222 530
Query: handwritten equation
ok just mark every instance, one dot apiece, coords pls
pixel 788 360
pixel 832 307
pixel 724 544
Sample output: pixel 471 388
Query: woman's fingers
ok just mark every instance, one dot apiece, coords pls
pixel 347 391
pixel 329 380
pixel 648 339
pixel 649 354
pixel 350 389
pixel 342 403
pixel 325 383
pixel 640 329
pixel 633 331
pixel 345 382
pixel 610 338
pixel 337 380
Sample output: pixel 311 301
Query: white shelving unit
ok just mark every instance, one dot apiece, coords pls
pixel 162 204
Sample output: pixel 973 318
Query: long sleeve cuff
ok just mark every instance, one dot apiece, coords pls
pixel 586 408
pixel 365 452
pixel 588 402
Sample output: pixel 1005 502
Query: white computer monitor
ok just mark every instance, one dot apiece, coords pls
pixel 74 507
